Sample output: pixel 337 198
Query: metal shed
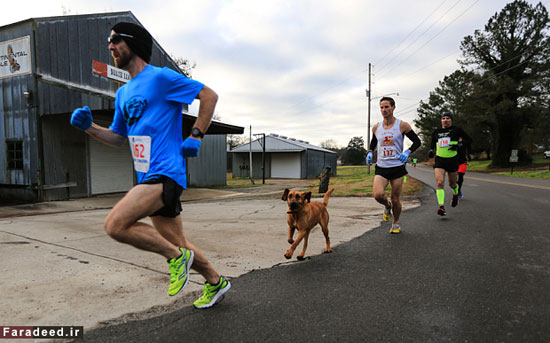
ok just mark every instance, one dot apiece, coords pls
pixel 284 158
pixel 50 66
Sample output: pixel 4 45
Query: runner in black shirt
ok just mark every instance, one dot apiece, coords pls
pixel 445 142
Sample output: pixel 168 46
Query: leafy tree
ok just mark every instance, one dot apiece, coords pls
pixel 461 94
pixel 355 152
pixel 512 54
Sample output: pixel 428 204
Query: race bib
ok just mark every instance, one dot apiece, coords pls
pixel 141 152
pixel 444 142
pixel 388 152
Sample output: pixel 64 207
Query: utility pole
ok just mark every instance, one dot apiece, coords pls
pixel 368 119
pixel 263 160
pixel 250 173
pixel 262 142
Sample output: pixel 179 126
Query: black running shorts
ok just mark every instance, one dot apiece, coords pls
pixel 391 173
pixel 449 164
pixel 171 193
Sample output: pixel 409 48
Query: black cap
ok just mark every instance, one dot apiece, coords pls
pixel 141 44
pixel 447 114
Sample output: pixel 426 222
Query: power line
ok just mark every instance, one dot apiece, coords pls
pixel 421 35
pixel 355 77
pixel 477 82
pixel 433 63
pixel 437 34
pixel 404 39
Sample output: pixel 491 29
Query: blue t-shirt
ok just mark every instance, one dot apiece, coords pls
pixel 148 110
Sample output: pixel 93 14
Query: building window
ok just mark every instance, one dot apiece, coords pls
pixel 15 154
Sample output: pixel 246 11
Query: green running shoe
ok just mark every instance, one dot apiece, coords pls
pixel 211 293
pixel 179 271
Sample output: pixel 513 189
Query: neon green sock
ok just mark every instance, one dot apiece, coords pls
pixel 455 190
pixel 440 196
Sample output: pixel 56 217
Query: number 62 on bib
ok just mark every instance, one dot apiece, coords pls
pixel 141 152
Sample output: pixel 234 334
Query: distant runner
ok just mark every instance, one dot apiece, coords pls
pixel 463 159
pixel 391 160
pixel 445 142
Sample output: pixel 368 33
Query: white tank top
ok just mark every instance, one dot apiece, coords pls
pixel 390 145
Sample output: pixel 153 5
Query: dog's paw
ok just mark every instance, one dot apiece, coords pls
pixel 288 256
pixel 300 258
pixel 290 241
pixel 327 251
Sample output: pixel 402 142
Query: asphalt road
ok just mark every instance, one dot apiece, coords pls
pixel 481 274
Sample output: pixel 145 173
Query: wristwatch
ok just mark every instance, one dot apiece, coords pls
pixel 196 132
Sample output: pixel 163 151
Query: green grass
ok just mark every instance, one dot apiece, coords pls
pixel 354 181
pixel 479 166
pixel 350 181
pixel 533 171
pixel 539 159
pixel 241 183
pixel 535 174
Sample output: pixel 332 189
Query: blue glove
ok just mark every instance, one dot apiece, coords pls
pixel 369 157
pixel 82 118
pixel 404 156
pixel 190 147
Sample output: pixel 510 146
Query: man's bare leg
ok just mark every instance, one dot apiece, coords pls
pixel 172 230
pixel 440 190
pixel 396 187
pixel 454 187
pixel 379 190
pixel 452 179
pixel 122 222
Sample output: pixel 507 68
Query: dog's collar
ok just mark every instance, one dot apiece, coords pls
pixel 292 212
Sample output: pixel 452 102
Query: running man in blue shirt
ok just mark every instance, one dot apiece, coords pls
pixel 148 112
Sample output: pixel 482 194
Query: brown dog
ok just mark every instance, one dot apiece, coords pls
pixel 304 215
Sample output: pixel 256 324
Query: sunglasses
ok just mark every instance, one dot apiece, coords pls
pixel 115 38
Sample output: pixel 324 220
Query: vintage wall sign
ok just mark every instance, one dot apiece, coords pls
pixel 15 57
pixel 110 72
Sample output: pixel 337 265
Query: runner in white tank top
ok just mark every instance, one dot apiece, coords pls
pixel 390 145
pixel 390 165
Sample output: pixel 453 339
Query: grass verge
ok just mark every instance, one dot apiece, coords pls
pixel 354 181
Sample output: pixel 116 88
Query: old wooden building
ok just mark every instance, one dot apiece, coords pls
pixel 50 66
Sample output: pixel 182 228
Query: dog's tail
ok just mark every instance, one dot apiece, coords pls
pixel 327 195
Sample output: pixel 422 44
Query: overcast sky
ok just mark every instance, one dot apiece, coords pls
pixel 299 68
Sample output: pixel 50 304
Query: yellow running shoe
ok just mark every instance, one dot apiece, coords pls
pixel 179 271
pixel 387 214
pixel 212 293
pixel 395 228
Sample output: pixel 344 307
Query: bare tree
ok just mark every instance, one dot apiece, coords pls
pixel 330 144
pixel 185 65
pixel 236 140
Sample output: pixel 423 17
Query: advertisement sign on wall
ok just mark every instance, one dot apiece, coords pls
pixel 15 57
pixel 110 72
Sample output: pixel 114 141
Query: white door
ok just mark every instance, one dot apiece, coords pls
pixel 111 169
pixel 286 165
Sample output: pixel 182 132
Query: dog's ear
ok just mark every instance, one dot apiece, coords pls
pixel 285 194
pixel 307 196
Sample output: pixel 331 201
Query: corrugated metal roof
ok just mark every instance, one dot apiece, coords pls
pixel 216 127
pixel 279 143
